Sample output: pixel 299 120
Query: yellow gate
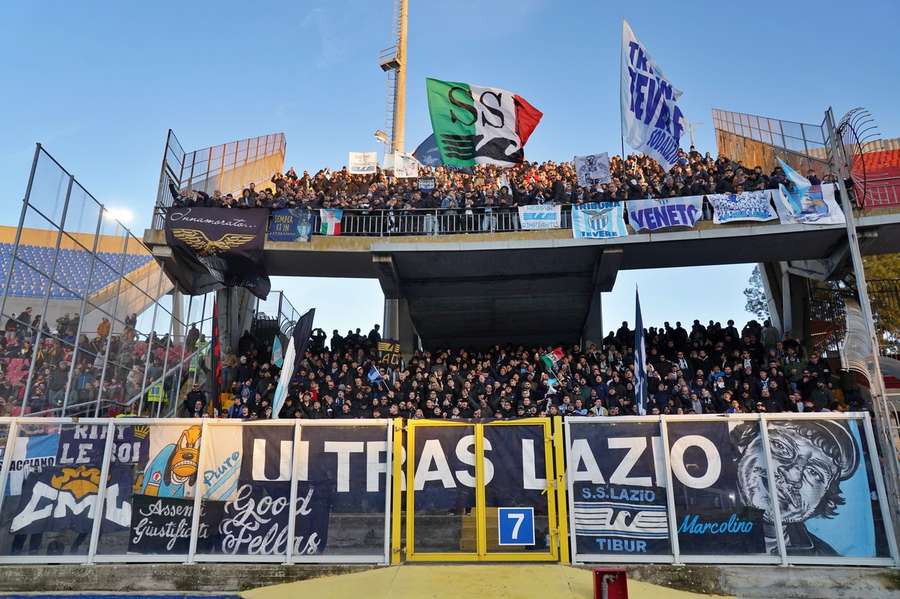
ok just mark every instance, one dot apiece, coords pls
pixel 480 491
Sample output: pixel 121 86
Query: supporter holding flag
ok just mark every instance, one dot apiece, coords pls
pixel 374 376
pixel 552 359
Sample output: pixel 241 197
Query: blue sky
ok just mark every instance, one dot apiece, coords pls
pixel 99 83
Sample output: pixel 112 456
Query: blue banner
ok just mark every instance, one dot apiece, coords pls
pixel 598 220
pixel 290 224
pixel 652 215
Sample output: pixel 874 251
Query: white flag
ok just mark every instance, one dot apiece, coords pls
pixel 405 166
pixel 284 379
pixel 362 163
pixel 652 122
pixel 592 169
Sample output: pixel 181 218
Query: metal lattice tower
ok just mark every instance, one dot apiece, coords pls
pixel 392 60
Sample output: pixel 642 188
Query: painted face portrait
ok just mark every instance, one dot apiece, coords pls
pixel 809 461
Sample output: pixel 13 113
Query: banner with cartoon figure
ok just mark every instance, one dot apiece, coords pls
pixel 174 458
pixel 826 487
pixel 814 205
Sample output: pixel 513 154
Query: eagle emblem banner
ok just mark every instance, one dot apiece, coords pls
pixel 226 243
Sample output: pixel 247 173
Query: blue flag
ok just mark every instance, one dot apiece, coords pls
pixel 277 352
pixel 640 358
pixel 374 376
pixel 800 187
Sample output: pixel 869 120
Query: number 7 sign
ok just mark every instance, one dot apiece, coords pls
pixel 515 525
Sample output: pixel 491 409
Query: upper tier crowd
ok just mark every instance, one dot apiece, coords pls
pixel 486 186
pixel 708 369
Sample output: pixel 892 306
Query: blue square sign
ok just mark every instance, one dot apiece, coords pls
pixel 515 525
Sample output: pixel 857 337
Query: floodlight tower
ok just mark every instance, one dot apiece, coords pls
pixel 392 60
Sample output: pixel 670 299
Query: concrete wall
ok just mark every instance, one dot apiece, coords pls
pixel 763 582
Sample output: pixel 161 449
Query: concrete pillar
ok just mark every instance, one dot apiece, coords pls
pixel 236 306
pixel 788 298
pixel 178 316
pixel 390 324
pixel 771 273
pixel 787 312
pixel 409 339
pixel 799 306
pixel 592 332
pixel 398 326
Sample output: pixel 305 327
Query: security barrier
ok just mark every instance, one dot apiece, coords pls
pixel 481 491
pixel 685 489
pixel 696 489
pixel 139 490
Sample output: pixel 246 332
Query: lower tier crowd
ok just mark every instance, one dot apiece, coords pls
pixel 707 369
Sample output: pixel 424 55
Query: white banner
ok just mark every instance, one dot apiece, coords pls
pixel 539 216
pixel 816 206
pixel 405 166
pixel 652 122
pixel 362 163
pixel 592 169
pixel 598 220
pixel 747 205
pixel 651 215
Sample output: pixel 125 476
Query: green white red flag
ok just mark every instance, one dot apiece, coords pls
pixel 552 359
pixel 479 125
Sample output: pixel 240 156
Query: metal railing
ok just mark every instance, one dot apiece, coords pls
pixel 385 223
pixel 881 192
pixel 227 167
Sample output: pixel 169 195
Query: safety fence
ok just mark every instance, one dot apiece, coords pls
pixel 822 205
pixel 678 489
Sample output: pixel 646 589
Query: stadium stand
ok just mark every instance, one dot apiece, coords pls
pixel 487 186
pixel 72 271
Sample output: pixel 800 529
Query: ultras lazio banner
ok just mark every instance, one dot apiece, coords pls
pixel 720 488
pixel 652 121
pixel 652 215
pixel 479 125
pixel 515 469
pixel 222 242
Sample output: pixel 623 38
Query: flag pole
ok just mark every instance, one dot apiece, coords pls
pixel 621 75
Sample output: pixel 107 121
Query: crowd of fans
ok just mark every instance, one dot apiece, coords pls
pixel 54 357
pixel 489 187
pixel 707 369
